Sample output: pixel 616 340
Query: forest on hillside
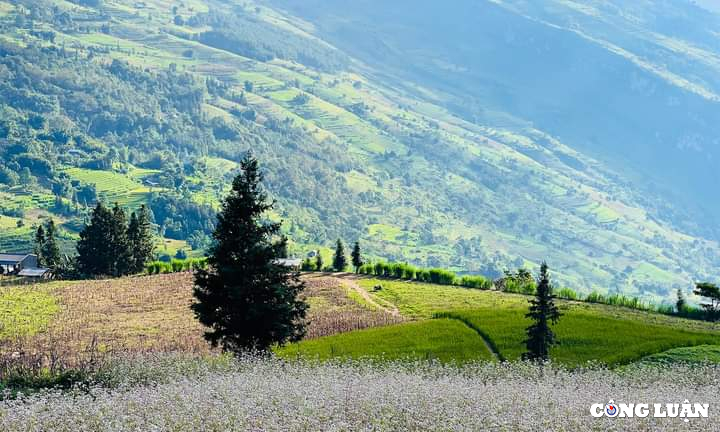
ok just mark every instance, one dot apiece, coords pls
pixel 139 103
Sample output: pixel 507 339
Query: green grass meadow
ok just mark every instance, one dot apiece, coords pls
pixel 25 312
pixel 451 322
pixel 442 339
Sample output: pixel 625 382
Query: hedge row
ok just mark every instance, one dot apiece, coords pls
pixel 433 275
pixel 175 265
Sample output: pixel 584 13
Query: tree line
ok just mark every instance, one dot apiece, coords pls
pixel 110 244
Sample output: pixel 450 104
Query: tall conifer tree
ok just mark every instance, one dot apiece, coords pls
pixel 543 312
pixel 319 264
pixel 357 260
pixel 120 243
pixel 95 251
pixel 339 259
pixel 39 244
pixel 142 242
pixel 245 298
pixel 50 249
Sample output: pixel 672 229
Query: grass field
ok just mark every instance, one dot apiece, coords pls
pixel 695 354
pixel 447 323
pixel 584 335
pixel 442 339
pixel 25 312
pixel 587 332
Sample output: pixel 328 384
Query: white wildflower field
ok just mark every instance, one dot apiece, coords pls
pixel 175 393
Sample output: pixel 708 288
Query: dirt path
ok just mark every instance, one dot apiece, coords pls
pixel 350 281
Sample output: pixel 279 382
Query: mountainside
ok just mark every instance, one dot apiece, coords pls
pixel 484 137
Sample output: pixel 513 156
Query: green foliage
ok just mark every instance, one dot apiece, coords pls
pixel 700 354
pixel 568 294
pixel 478 282
pixel 96 247
pixel 25 312
pixel 339 258
pixel 710 292
pixel 50 251
pixel 308 265
pixel 176 265
pixel 244 298
pixel 109 247
pixel 622 339
pixel 140 237
pixel 152 105
pixel 241 34
pixel 435 275
pixel 439 339
pixel 357 259
pixel 543 313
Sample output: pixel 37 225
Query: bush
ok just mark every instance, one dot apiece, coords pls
pixel 175 266
pixel 309 265
pixel 441 276
pixel 367 269
pixel 519 286
pixel 567 293
pixel 475 281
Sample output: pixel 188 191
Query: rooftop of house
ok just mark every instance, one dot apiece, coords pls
pixel 35 272
pixel 12 258
pixel 288 262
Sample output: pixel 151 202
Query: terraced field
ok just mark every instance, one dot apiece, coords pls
pixel 114 187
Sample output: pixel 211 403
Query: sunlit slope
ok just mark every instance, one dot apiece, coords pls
pixel 413 177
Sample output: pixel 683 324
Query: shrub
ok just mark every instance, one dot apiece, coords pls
pixel 308 265
pixel 367 269
pixel 379 268
pixel 176 265
pixel 595 297
pixel 567 293
pixel 422 275
pixel 441 276
pixel 475 281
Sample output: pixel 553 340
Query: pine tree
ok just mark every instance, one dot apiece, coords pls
pixel 142 242
pixel 284 253
pixel 120 243
pixel 246 299
pixel 50 249
pixel 543 311
pixel 357 260
pixel 39 244
pixel 339 259
pixel 681 304
pixel 319 264
pixel 95 251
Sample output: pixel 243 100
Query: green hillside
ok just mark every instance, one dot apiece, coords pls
pixel 152 102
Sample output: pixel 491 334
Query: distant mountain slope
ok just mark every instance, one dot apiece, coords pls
pixel 634 84
pixel 427 158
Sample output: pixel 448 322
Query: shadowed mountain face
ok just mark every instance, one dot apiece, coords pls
pixel 635 85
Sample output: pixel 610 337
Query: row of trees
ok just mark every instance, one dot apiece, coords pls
pixel 110 245
pixel 339 260
pixel 46 246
